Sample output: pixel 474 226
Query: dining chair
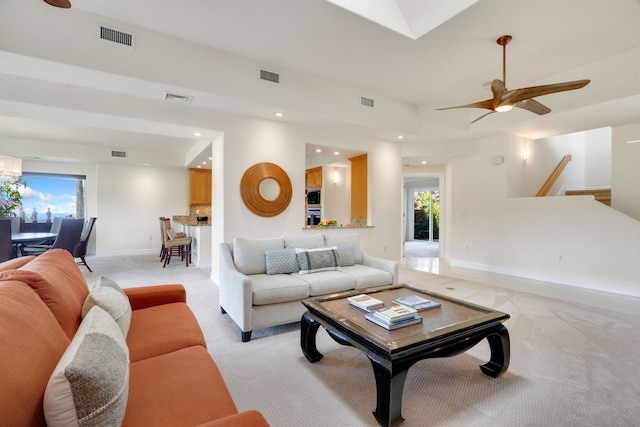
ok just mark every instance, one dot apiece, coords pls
pixel 6 247
pixel 81 249
pixel 165 224
pixel 68 238
pixel 175 244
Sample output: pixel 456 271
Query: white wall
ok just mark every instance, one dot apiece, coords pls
pixel 571 240
pixel 625 179
pixel 336 196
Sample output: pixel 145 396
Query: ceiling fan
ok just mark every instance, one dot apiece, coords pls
pixel 505 99
pixel 59 3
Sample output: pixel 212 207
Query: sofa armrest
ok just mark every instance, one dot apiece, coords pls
pixel 236 293
pixel 381 264
pixel 150 296
pixel 243 419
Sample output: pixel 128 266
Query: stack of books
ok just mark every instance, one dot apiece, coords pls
pixel 365 302
pixel 394 317
pixel 417 302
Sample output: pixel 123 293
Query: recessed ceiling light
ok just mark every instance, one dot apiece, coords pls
pixel 337 153
pixel 400 137
pixel 197 134
pixel 424 162
pixel 199 166
pixel 204 163
pixel 318 150
pixel 210 158
pixel 279 114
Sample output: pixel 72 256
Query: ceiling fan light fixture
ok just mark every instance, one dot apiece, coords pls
pixel 504 108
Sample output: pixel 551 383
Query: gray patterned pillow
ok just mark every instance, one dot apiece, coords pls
pixel 281 261
pixel 90 384
pixel 111 298
pixel 346 255
pixel 315 260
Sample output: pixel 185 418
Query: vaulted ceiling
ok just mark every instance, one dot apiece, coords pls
pixel 60 83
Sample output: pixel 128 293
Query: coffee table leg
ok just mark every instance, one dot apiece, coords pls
pixel 500 352
pixel 389 387
pixel 308 329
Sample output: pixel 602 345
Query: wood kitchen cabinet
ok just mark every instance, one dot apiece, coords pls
pixel 314 178
pixel 359 180
pixel 199 186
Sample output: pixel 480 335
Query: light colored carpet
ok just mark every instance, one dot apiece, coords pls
pixel 571 364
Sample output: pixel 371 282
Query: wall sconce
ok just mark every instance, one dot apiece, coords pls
pixel 10 166
pixel 335 176
pixel 525 154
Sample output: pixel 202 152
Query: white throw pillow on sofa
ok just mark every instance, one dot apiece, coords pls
pixel 315 260
pixel 281 261
pixel 112 299
pixel 90 384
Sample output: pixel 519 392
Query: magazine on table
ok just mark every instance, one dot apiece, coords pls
pixel 417 302
pixel 395 313
pixel 365 302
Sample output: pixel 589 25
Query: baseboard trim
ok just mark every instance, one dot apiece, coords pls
pixel 600 287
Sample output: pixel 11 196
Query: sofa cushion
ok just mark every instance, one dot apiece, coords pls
pixel 248 254
pixel 319 259
pixel 112 299
pixel 327 282
pixel 306 241
pixel 281 261
pixel 181 388
pixel 14 263
pixel 32 343
pixel 346 256
pixel 57 280
pixel 273 289
pixel 162 329
pixel 352 239
pixel 90 384
pixel 367 277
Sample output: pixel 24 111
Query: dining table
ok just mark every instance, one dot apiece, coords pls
pixel 20 239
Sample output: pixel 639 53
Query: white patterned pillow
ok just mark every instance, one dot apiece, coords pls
pixel 315 260
pixel 281 261
pixel 90 384
pixel 346 256
pixel 111 298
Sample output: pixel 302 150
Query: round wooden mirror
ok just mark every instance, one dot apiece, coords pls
pixel 265 189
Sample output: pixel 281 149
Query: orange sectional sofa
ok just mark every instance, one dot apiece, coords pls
pixel 160 369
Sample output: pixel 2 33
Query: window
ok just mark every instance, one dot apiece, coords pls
pixel 47 196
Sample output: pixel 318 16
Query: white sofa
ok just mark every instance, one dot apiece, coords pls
pixel 260 285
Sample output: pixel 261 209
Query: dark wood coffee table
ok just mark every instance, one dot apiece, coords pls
pixel 451 329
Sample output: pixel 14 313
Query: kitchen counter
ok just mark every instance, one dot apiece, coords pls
pixel 335 227
pixel 191 221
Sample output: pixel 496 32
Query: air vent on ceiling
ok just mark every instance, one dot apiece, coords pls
pixel 270 76
pixel 116 36
pixel 120 154
pixel 184 99
pixel 367 102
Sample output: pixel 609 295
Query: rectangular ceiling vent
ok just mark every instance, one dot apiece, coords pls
pixel 113 35
pixel 175 97
pixel 119 154
pixel 367 102
pixel 270 76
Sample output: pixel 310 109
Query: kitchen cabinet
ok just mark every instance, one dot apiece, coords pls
pixel 199 186
pixel 314 178
pixel 359 180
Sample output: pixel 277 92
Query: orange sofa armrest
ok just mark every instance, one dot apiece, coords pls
pixel 251 418
pixel 150 296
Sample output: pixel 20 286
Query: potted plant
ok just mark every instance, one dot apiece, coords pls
pixel 10 197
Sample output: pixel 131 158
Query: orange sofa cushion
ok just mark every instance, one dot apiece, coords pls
pixel 32 343
pixel 182 388
pixel 149 296
pixel 56 278
pixel 14 263
pixel 162 329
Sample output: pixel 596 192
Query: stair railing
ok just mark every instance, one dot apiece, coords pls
pixel 554 176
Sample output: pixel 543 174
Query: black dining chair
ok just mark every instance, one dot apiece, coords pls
pixel 68 238
pixel 6 247
pixel 81 249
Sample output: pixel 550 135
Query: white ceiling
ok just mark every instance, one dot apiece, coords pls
pixel 58 83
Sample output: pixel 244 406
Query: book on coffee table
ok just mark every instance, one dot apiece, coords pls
pixel 393 325
pixel 417 302
pixel 395 313
pixel 365 302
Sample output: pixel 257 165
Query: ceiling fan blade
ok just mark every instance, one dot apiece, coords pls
pixel 59 3
pixel 482 116
pixel 516 95
pixel 533 106
pixel 488 104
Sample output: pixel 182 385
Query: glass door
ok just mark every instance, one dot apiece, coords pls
pixel 426 215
